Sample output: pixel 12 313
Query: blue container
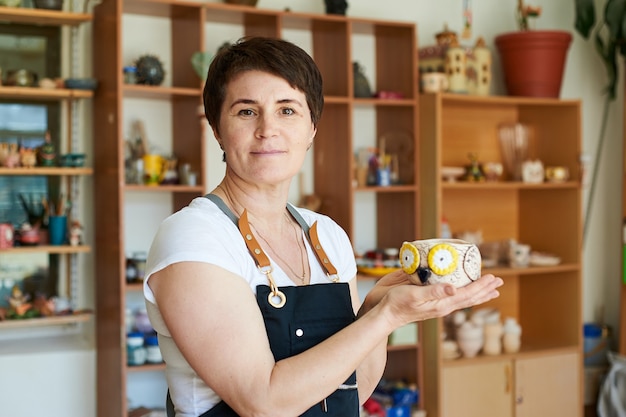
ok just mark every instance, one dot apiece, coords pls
pixel 596 344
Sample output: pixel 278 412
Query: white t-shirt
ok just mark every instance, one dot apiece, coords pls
pixel 201 232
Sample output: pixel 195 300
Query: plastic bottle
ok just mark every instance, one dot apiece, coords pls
pixel 153 353
pixel 135 350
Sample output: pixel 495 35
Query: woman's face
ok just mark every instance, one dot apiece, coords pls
pixel 265 128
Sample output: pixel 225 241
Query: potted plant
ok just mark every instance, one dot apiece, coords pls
pixel 533 61
pixel 609 36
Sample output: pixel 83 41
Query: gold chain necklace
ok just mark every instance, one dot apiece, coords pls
pixel 302 277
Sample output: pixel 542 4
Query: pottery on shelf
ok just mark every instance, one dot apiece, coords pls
pixel 493 338
pixel 512 335
pixel 470 339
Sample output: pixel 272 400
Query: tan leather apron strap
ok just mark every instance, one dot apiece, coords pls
pixel 331 271
pixel 253 245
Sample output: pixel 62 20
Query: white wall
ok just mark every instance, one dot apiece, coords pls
pixel 63 383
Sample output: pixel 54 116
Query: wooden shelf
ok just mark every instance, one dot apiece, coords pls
pixel 525 352
pixel 42 94
pixel 509 185
pixel 45 321
pixel 42 17
pixel 53 249
pixel 149 367
pixel 165 188
pixel 48 171
pixel 159 92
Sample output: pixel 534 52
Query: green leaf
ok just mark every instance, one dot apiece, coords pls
pixel 614 14
pixel 585 17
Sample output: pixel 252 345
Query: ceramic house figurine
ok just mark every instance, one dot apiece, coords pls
pixel 456 67
pixel 481 69
pixel 433 261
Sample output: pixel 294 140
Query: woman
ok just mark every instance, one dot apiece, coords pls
pixel 254 319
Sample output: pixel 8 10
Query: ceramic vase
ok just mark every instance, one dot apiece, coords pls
pixel 470 339
pixel 511 339
pixel 493 339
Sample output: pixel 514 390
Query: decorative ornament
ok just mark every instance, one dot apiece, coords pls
pixel 149 70
pixel 336 7
pixel 200 62
pixel 433 261
pixel 361 85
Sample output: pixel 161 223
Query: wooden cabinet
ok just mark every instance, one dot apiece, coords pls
pixel 478 390
pixel 545 300
pixel 66 278
pixel 522 387
pixel 177 30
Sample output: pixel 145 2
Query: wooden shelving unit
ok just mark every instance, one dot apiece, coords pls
pixel 329 39
pixel 546 301
pixel 52 18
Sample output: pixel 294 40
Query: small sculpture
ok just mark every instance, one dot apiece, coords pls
pixel 149 70
pixel 9 155
pixel 361 85
pixel 474 171
pixel 200 62
pixel 532 171
pixel 28 157
pixel 47 153
pixel 18 302
pixel 336 6
pixel 433 261
pixel 76 233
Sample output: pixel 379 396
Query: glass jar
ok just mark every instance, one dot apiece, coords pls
pixel 135 351
pixel 130 74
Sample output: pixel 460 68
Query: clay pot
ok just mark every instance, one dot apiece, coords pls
pixel 533 61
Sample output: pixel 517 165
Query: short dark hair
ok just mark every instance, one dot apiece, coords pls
pixel 275 56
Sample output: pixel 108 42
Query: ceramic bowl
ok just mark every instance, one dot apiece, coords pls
pixel 81 83
pixel 451 174
pixel 49 4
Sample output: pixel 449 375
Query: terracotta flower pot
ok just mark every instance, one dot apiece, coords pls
pixel 533 61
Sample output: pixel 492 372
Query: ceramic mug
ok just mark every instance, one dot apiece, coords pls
pixel 433 82
pixel 557 174
pixel 433 261
pixel 153 169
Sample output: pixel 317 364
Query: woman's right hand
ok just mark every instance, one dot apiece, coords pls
pixel 406 302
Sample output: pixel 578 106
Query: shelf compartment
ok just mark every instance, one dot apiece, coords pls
pixel 42 17
pixel 46 321
pixel 42 94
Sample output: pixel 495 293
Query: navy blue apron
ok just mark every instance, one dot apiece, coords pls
pixel 308 315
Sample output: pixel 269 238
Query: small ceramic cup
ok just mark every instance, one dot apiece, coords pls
pixel 433 82
pixel 557 174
